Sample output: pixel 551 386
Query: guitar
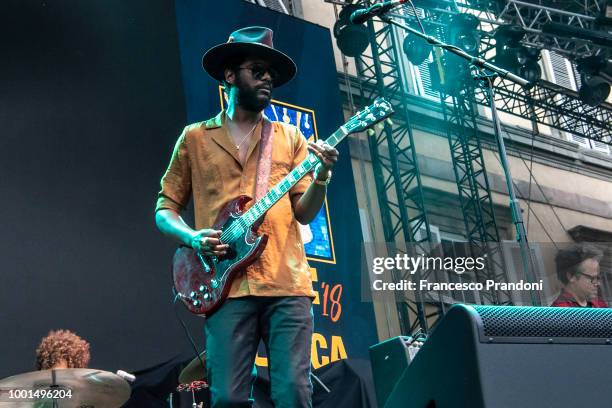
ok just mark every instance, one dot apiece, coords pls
pixel 203 282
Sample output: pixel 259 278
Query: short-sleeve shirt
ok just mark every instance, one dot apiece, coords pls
pixel 205 166
pixel 566 299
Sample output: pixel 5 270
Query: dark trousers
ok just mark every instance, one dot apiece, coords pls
pixel 232 337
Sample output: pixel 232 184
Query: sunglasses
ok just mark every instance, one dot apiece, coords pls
pixel 258 71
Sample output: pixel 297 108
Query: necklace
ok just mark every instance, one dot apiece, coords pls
pixel 247 135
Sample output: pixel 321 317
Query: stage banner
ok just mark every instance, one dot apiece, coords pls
pixel 344 325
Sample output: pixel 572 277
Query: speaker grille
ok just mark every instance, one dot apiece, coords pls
pixel 517 321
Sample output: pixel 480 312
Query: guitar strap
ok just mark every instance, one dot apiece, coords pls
pixel 264 162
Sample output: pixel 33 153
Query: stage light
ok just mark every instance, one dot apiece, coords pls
pixel 510 54
pixel 594 90
pixel 463 32
pixel 351 39
pixel 416 49
pixel 528 64
pixel 595 87
pixel 450 75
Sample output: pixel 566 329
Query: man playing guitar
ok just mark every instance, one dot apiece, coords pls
pixel 216 161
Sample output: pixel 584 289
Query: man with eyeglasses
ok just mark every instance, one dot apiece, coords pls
pixel 240 152
pixel 578 270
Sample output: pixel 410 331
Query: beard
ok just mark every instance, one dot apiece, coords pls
pixel 249 98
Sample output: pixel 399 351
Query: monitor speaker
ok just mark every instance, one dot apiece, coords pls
pixel 511 357
pixel 389 360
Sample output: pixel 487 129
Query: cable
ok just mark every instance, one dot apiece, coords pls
pixel 536 216
pixel 536 131
pixel 416 15
pixel 536 182
pixel 522 196
pixel 187 333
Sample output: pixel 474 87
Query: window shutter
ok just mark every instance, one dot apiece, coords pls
pixel 425 84
pixel 600 147
pixel 562 71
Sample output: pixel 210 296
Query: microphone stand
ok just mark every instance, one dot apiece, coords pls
pixel 480 64
pixel 515 207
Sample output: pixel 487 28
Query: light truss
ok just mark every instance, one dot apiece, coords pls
pixel 471 179
pixel 474 192
pixel 394 162
pixel 555 106
pixel 532 18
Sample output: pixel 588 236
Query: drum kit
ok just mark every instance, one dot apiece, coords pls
pixel 191 379
pixel 86 388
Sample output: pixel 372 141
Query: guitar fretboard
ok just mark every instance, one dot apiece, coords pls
pixel 374 113
pixel 275 193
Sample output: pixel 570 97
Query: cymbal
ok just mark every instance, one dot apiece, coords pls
pixel 194 370
pixel 89 388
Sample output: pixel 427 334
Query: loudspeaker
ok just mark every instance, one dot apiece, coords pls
pixel 389 360
pixel 511 357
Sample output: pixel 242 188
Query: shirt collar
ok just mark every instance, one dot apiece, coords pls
pixel 223 138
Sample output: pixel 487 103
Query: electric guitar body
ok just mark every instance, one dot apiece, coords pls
pixel 207 279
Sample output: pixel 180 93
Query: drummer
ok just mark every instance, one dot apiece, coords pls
pixel 62 349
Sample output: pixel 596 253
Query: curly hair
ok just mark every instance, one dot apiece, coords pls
pixel 62 345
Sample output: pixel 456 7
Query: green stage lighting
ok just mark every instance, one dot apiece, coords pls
pixel 463 32
pixel 451 75
pixel 510 54
pixel 416 49
pixel 352 39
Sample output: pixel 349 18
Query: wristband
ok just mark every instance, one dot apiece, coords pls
pixel 324 182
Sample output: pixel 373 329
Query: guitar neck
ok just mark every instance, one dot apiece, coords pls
pixel 275 193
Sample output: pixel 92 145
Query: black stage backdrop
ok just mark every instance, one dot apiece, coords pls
pixel 89 92
pixel 91 102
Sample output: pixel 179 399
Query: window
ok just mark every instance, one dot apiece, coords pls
pixel 416 78
pixel 564 73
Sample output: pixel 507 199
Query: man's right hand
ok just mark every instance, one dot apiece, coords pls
pixel 208 242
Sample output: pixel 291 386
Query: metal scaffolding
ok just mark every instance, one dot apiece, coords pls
pixel 394 162
pixel 398 178
pixel 476 202
pixel 554 106
pixel 474 192
pixel 534 18
pixel 381 72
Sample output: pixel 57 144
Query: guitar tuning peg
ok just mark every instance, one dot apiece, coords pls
pixel 371 132
pixel 379 126
pixel 390 122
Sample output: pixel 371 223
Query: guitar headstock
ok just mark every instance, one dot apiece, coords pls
pixel 378 111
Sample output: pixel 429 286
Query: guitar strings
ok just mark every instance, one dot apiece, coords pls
pixel 229 233
pixel 308 165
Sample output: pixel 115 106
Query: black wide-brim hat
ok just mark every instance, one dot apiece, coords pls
pixel 253 42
